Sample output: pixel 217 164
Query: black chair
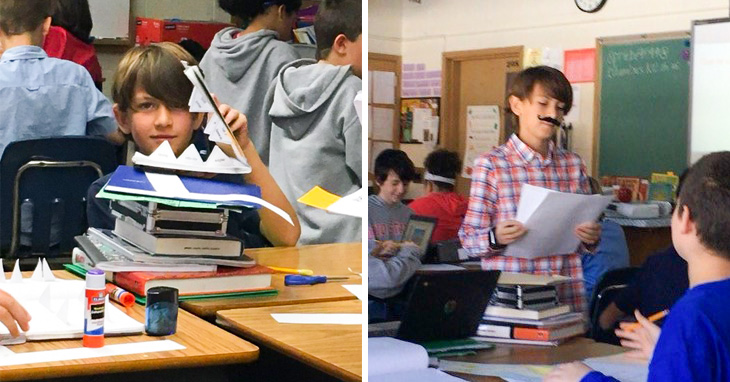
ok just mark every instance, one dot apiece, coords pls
pixel 48 179
pixel 606 290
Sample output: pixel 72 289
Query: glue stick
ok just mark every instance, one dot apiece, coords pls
pixel 120 295
pixel 94 312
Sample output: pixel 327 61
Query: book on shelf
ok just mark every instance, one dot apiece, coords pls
pixel 184 245
pixel 499 311
pixel 224 280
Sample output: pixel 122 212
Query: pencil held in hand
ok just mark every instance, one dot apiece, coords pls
pixel 653 318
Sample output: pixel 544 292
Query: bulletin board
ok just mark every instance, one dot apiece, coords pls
pixel 410 109
pixel 111 21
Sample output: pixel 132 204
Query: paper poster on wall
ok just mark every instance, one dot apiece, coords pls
pixel 111 18
pixel 482 134
pixel 580 65
pixel 419 119
pixel 553 57
pixel 383 87
pixel 375 149
pixel 382 123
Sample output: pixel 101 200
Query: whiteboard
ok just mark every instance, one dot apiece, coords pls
pixel 709 88
pixel 110 17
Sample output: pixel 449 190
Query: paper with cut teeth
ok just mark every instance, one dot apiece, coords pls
pixel 198 103
pixel 217 128
pixel 47 272
pixel 38 271
pixel 218 162
pixel 17 276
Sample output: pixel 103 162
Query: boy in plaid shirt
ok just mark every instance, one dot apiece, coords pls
pixel 539 98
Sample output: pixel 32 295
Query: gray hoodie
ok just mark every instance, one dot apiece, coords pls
pixel 316 140
pixel 240 70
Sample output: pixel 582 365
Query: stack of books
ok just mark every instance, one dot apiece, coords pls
pixel 173 237
pixel 525 309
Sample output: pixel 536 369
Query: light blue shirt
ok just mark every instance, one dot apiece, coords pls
pixel 42 96
pixel 612 253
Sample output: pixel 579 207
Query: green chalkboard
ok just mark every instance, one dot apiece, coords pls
pixel 643 106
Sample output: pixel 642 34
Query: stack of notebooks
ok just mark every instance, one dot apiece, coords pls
pixel 525 309
pixel 171 231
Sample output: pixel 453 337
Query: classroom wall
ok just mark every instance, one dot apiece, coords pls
pixel 385 19
pixel 206 10
pixel 432 27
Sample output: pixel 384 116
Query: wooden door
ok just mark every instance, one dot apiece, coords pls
pixel 378 62
pixel 478 77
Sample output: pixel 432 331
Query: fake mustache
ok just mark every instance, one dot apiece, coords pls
pixel 549 119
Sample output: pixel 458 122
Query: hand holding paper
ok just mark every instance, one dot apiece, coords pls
pixel 588 232
pixel 11 312
pixel 508 231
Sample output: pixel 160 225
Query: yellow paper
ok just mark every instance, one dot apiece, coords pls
pixel 319 198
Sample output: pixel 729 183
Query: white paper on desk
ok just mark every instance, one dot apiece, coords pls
pixel 620 367
pixel 388 355
pixel 421 375
pixel 82 353
pixel 351 205
pixel 318 318
pixel 357 290
pixel 523 373
pixel 550 218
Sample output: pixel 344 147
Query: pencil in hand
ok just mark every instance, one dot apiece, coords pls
pixel 653 318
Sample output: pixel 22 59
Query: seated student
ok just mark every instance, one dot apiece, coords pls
pixel 611 253
pixel 43 96
pixel 241 63
pixel 694 342
pixel 539 97
pixel 12 314
pixel 660 282
pixel 150 112
pixel 390 262
pixel 441 202
pixel 69 37
pixel 315 121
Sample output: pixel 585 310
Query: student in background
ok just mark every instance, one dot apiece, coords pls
pixel 42 96
pixel 149 113
pixel 612 251
pixel 539 98
pixel 314 120
pixel 390 262
pixel 441 202
pixel 241 63
pixel 694 342
pixel 659 283
pixel 69 37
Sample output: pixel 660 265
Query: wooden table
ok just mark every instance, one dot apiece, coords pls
pixel 576 349
pixel 205 345
pixel 333 349
pixel 325 259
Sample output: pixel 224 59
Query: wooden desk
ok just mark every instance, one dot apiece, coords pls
pixel 325 259
pixel 205 345
pixel 573 350
pixel 333 349
pixel 642 242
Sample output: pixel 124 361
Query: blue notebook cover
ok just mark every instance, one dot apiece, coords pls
pixel 127 179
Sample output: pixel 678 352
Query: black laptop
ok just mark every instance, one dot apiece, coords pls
pixel 446 305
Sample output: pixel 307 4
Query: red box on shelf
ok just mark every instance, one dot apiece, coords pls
pixel 157 30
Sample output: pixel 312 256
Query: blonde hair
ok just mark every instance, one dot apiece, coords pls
pixel 157 70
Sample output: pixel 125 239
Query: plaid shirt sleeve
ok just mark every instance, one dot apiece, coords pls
pixel 474 230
